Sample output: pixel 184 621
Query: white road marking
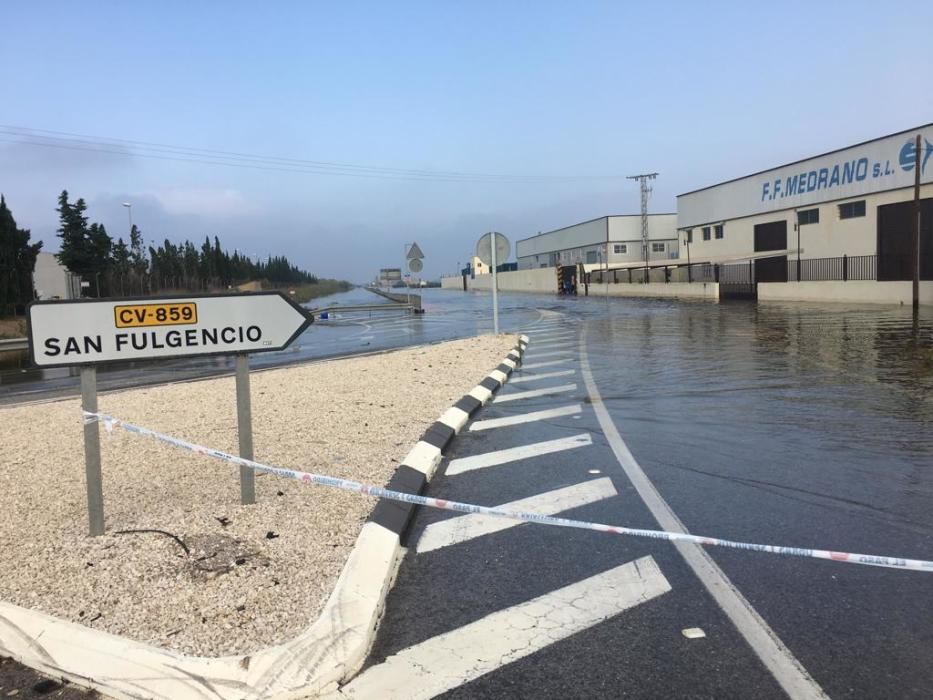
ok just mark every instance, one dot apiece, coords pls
pixel 777 658
pixel 548 363
pixel 552 335
pixel 550 346
pixel 534 354
pixel 526 417
pixel 449 660
pixel 543 375
pixel 468 527
pixel 512 454
pixel 532 393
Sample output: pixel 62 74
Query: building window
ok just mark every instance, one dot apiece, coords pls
pixel 717 229
pixel 808 216
pixel 852 210
pixel 690 235
pixel 619 248
pixel 706 233
pixel 657 247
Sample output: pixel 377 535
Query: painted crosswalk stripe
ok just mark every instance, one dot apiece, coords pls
pixel 513 454
pixel 550 345
pixel 515 379
pixel 547 363
pixel 527 417
pixel 468 527
pixel 533 354
pixel 532 393
pixel 451 659
pixel 551 335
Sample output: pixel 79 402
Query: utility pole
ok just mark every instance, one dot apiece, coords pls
pixel 916 228
pixel 645 191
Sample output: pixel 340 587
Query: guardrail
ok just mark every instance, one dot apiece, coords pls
pixel 10 344
pixel 362 307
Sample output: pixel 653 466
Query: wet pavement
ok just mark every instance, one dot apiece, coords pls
pixel 801 425
pixel 795 425
pixel 447 316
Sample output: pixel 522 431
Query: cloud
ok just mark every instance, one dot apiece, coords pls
pixel 204 202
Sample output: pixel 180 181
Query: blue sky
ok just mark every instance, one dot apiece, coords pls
pixel 699 92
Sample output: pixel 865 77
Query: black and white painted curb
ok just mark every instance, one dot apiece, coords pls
pixel 316 662
pixel 419 465
pixel 390 519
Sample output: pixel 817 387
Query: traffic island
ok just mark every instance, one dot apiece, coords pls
pixel 189 591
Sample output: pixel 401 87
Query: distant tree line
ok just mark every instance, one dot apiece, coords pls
pixel 121 267
pixel 17 263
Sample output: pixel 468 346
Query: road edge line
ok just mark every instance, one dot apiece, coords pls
pixel 777 658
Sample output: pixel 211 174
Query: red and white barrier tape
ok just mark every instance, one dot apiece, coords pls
pixel 845 557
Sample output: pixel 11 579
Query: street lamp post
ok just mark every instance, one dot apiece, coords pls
pixel 129 211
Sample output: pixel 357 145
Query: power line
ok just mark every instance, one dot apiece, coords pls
pixel 128 148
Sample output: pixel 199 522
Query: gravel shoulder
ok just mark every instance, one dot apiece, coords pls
pixel 256 575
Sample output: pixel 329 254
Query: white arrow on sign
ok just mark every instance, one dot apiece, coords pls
pixel 67 333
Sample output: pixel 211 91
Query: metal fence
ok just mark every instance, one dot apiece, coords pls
pixel 742 277
pixel 842 269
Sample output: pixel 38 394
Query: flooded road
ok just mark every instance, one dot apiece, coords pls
pixel 792 425
pixel 788 424
pixel 446 316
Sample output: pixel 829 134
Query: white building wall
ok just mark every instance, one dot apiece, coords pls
pixel 831 237
pixel 849 173
pixel 879 172
pixel 586 242
pixel 50 279
pixel 626 231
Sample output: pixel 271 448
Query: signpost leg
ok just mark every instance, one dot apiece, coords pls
pixel 495 288
pixel 95 489
pixel 244 419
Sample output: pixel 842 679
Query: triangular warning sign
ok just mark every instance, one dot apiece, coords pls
pixel 414 252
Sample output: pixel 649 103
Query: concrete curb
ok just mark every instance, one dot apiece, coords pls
pixel 327 653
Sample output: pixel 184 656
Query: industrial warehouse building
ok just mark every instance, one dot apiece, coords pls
pixel 833 227
pixel 589 241
pixel 845 215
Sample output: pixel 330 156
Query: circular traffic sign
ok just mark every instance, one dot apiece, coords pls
pixel 415 265
pixel 484 248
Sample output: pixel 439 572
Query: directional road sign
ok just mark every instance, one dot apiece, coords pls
pixel 414 252
pixel 80 332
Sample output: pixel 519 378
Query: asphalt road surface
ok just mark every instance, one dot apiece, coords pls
pixel 798 425
pixel 801 426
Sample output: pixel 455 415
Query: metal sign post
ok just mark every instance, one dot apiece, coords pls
pixel 495 292
pixel 491 248
pixel 92 475
pixel 244 429
pixel 89 332
pixel 414 256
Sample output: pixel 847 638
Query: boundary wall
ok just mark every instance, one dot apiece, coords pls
pixel 854 292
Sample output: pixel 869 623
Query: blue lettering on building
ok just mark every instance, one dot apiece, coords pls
pixel 845 173
pixel 908 155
